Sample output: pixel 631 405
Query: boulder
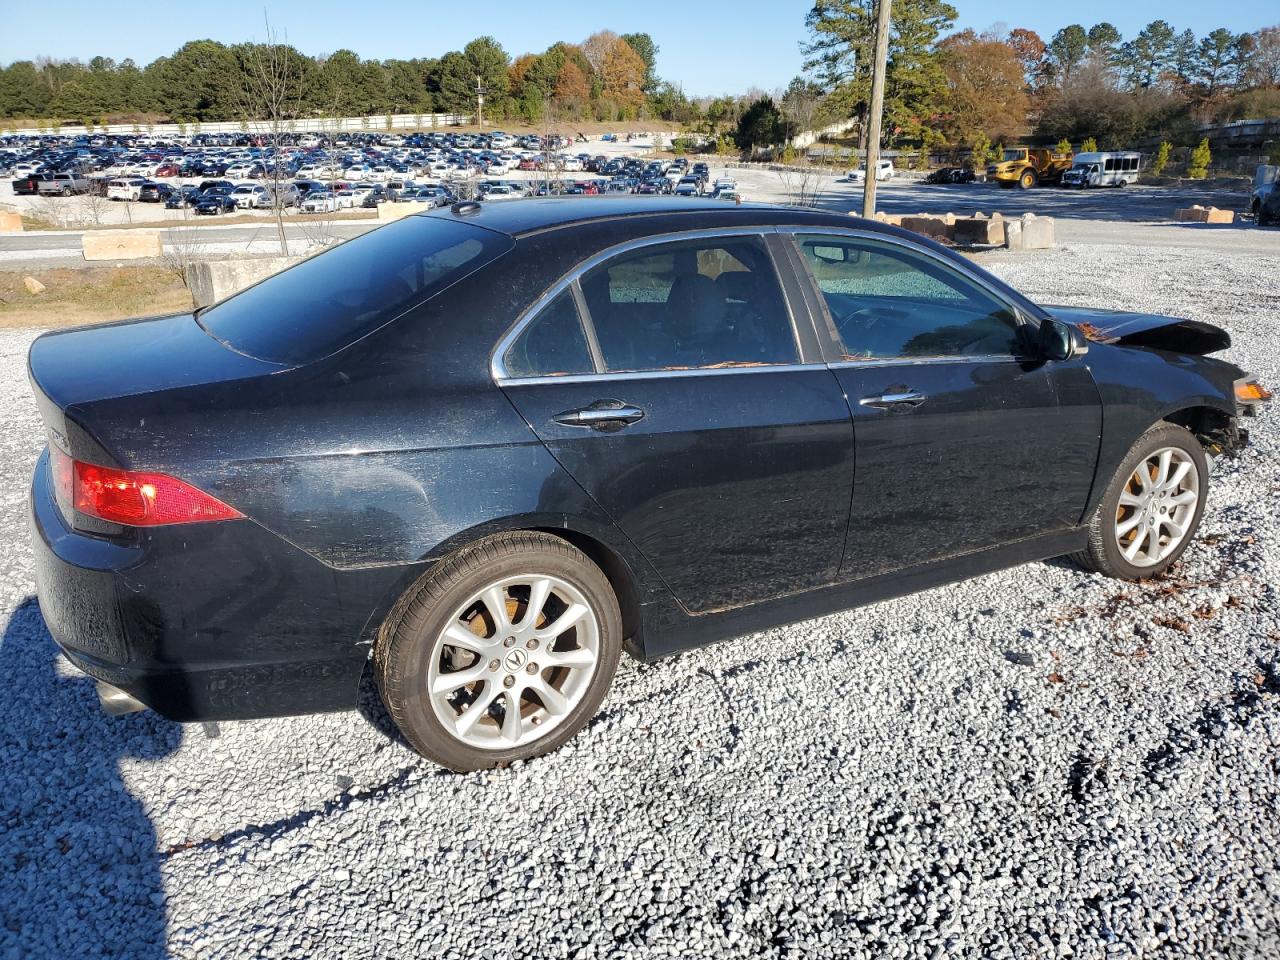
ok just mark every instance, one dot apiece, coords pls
pixel 1013 235
pixel 121 244
pixel 212 280
pixel 33 285
pixel 10 222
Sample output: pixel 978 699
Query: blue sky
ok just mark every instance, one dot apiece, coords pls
pixel 708 48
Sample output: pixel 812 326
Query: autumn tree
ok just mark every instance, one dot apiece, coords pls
pixel 572 89
pixel 986 89
pixel 1031 53
pixel 622 74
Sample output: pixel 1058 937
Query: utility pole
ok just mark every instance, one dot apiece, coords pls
pixel 877 107
pixel 479 101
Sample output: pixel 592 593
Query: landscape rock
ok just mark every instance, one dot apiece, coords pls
pixel 33 285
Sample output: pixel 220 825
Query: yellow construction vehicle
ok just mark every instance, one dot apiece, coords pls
pixel 1028 166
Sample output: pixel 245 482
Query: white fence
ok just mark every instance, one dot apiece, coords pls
pixel 392 121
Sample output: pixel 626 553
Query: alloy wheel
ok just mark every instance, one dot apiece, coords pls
pixel 513 661
pixel 1157 506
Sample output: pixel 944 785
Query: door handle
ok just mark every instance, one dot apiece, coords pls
pixel 886 401
pixel 606 415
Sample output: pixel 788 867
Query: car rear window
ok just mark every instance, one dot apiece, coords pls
pixel 333 299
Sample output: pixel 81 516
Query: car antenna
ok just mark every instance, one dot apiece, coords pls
pixel 465 208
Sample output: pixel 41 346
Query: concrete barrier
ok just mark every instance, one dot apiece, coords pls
pixel 1029 233
pixel 1199 214
pixel 395 211
pixel 10 223
pixel 121 244
pixel 979 230
pixel 212 280
pixel 931 226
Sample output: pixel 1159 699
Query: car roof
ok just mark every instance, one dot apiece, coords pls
pixel 669 213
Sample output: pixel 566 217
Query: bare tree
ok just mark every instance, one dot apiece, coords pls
pixel 93 206
pixel 804 184
pixel 273 95
pixel 182 248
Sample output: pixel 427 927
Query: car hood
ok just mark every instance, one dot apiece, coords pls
pixel 1144 329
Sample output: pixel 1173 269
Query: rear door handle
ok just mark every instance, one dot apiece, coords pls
pixel 885 401
pixel 604 415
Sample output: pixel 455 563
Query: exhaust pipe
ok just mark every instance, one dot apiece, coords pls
pixel 115 702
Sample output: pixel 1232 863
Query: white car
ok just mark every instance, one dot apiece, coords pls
pixel 884 171
pixel 380 173
pixel 570 164
pixel 501 191
pixel 345 198
pixel 239 171
pixel 358 172
pixel 320 201
pixel 724 183
pixel 126 188
pixel 250 195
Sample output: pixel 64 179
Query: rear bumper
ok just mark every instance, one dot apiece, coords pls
pixel 219 621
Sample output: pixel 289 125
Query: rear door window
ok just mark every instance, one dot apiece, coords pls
pixel 690 304
pixel 333 299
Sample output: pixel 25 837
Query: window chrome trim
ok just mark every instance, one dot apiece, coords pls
pixel 874 362
pixel 618 375
pixel 499 373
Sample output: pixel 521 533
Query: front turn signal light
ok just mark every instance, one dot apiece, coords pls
pixel 1250 392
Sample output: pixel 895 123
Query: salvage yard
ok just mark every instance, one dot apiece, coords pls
pixel 1037 763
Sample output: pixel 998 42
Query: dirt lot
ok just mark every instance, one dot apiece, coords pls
pixel 90 295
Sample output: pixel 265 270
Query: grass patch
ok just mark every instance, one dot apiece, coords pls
pixel 76 296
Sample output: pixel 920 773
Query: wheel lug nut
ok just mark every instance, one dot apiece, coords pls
pixel 494 664
pixel 531 668
pixel 509 681
pixel 532 644
pixel 509 642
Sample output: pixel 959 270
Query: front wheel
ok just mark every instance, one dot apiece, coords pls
pixel 502 653
pixel 1151 509
pixel 1027 180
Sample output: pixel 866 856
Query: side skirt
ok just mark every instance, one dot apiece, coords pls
pixel 667 629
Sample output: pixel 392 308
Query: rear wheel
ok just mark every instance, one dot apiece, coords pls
pixel 1151 509
pixel 503 653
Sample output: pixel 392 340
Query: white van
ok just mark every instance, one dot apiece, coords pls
pixel 1102 170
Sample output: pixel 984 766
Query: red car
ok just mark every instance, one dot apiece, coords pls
pixel 528 163
pixel 167 170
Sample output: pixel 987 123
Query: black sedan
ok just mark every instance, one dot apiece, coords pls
pixel 482 451
pixel 214 201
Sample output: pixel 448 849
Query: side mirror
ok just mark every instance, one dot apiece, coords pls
pixel 1061 341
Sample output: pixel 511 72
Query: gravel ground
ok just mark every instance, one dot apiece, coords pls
pixel 1036 763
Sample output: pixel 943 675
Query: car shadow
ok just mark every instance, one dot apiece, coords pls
pixel 79 870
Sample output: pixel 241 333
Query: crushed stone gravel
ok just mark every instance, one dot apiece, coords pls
pixel 1036 763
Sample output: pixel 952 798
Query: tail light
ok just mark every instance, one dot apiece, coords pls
pixel 129 497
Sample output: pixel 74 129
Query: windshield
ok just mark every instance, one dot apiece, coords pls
pixel 333 299
pixel 1014 154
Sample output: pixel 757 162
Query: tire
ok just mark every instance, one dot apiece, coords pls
pixel 1027 180
pixel 444 627
pixel 1120 507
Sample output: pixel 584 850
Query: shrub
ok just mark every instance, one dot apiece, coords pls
pixel 1064 145
pixel 981 153
pixel 1161 159
pixel 1198 164
pixel 1090 145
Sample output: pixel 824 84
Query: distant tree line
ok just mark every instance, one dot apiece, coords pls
pixel 952 88
pixel 606 77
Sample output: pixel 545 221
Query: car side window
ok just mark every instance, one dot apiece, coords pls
pixel 888 302
pixel 688 305
pixel 552 344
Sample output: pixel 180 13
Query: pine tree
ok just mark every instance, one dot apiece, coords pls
pixel 981 153
pixel 1090 145
pixel 1161 159
pixel 1198 164
pixel 1064 146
